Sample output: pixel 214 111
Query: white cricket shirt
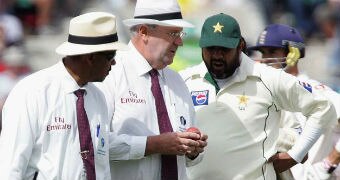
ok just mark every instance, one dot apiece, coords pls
pixel 40 131
pixel 135 116
pixel 242 118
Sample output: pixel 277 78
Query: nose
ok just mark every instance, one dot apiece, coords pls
pixel 217 52
pixel 178 41
pixel 113 62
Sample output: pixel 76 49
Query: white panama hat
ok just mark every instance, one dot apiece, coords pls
pixel 91 32
pixel 158 12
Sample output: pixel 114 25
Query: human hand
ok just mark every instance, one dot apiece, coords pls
pixel 174 143
pixel 282 162
pixel 194 130
pixel 199 149
pixel 293 55
pixel 317 171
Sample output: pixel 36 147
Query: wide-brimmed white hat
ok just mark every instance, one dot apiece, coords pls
pixel 159 12
pixel 91 32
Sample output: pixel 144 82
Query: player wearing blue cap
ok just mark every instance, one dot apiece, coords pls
pixel 282 46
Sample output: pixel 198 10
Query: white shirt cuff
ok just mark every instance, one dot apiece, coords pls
pixel 308 137
pixel 138 146
pixel 189 162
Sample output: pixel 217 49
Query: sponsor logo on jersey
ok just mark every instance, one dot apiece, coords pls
pixel 102 142
pixel 133 98
pixel 58 124
pixel 307 86
pixel 200 97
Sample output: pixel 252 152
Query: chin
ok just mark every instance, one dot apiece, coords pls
pixel 166 63
pixel 170 62
pixel 99 80
pixel 220 76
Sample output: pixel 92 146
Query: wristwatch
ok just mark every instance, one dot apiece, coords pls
pixel 329 166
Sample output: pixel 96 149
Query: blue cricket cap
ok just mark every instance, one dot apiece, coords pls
pixel 280 36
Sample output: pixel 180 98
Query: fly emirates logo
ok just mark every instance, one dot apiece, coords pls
pixel 58 124
pixel 132 99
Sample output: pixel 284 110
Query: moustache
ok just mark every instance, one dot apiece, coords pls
pixel 217 61
pixel 214 59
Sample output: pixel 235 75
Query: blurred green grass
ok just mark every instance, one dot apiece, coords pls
pixel 187 55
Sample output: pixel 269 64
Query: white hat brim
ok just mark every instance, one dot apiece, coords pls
pixel 70 49
pixel 173 22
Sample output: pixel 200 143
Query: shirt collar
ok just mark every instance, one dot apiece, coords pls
pixel 201 70
pixel 246 68
pixel 68 83
pixel 139 63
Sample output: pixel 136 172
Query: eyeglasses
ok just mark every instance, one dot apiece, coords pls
pixel 176 35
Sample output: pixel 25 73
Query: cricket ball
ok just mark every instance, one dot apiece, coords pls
pixel 194 130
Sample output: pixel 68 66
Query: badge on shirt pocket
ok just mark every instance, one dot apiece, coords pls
pixel 183 123
pixel 182 120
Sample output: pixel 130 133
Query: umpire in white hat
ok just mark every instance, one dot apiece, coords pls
pixel 55 121
pixel 153 107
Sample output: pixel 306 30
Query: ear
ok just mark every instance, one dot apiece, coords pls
pixel 89 59
pixel 202 54
pixel 143 32
pixel 242 46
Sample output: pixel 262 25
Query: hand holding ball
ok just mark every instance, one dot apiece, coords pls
pixel 194 130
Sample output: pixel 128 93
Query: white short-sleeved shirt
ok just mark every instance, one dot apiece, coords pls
pixel 135 117
pixel 242 118
pixel 40 131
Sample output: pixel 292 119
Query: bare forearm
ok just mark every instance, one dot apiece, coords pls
pixel 334 157
pixel 151 145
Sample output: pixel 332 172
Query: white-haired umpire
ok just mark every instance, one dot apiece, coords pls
pixel 152 105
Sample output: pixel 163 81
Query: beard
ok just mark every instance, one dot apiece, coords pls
pixel 220 69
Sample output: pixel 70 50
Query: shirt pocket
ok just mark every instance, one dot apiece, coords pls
pixel 182 117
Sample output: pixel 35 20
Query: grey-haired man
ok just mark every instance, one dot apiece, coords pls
pixel 152 104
